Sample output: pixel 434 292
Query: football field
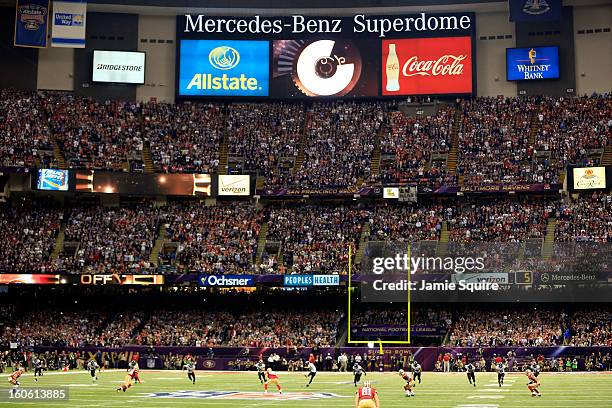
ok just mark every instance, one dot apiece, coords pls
pixel 241 389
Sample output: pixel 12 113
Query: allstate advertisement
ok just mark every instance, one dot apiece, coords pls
pixel 525 64
pixel 223 68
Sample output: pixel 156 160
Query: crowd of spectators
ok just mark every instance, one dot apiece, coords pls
pixel 339 144
pixel 587 220
pixel 493 140
pixel 405 223
pixel 500 220
pixel 24 134
pixel 499 140
pixel 110 239
pixel 184 137
pixel 573 130
pixel 591 327
pixel 409 143
pixel 269 328
pixel 211 239
pixel 55 328
pixel 316 238
pixel 27 236
pixel 265 139
pixel 302 239
pixel 294 327
pixel 94 134
pixel 511 327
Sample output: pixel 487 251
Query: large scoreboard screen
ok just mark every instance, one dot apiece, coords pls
pixel 318 57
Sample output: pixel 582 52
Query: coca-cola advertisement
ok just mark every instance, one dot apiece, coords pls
pixel 427 66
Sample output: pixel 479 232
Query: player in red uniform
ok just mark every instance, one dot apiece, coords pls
pixel 409 383
pixel 534 383
pixel 272 379
pixel 367 397
pixel 13 378
pixel 134 371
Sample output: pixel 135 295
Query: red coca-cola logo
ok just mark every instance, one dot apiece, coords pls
pixel 445 65
pixel 424 66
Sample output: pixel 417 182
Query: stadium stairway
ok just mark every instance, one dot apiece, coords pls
pixel 299 159
pixel 147 159
pixel 365 234
pixel 59 243
pixel 375 161
pixel 533 128
pixel 59 155
pixel 159 244
pixel 261 242
pixel 442 248
pixel 260 182
pixel 549 241
pixel 223 153
pixel 606 156
pixel 451 160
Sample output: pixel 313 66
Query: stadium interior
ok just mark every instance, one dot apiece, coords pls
pixel 199 200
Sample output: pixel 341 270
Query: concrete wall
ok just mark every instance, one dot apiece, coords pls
pixel 593 43
pixel 494 33
pixel 56 69
pixel 157 37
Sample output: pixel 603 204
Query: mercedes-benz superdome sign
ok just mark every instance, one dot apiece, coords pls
pixel 312 57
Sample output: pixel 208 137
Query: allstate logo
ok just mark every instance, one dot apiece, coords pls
pixel 224 57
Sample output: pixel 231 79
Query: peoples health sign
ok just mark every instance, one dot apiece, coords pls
pixel 223 68
pixel 532 63
pixel 311 280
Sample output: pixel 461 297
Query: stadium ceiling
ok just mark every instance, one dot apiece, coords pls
pixel 306 7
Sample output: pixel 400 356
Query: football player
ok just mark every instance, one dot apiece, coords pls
pixel 416 371
pixel 471 373
pixel 501 373
pixel 533 384
pixel 409 383
pixel 272 379
pixel 190 367
pixel 366 397
pixel 261 371
pixel 357 373
pixel 93 368
pixel 311 374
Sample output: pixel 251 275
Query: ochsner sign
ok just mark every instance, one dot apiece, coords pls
pixel 234 185
pixel 427 66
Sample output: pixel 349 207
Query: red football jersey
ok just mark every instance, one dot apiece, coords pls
pixel 366 393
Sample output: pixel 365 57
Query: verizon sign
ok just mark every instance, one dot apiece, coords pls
pixel 427 66
pixel 234 185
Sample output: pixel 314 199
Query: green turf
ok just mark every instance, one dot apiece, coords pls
pixel 437 391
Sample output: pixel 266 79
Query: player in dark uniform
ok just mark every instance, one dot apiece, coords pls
pixel 535 369
pixel 357 373
pixel 93 368
pixel 38 368
pixel 501 373
pixel 312 372
pixel 416 371
pixel 471 373
pixel 261 371
pixel 190 367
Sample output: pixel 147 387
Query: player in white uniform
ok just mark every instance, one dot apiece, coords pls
pixel 312 372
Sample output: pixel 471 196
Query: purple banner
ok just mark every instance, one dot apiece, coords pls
pixel 500 188
pixel 231 358
pixel 396 331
